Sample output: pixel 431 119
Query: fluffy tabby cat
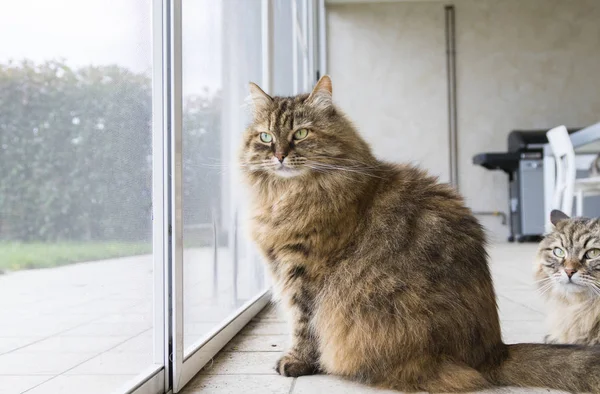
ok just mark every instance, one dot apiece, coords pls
pixel 383 270
pixel 568 274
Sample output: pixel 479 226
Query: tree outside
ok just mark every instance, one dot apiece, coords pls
pixel 76 163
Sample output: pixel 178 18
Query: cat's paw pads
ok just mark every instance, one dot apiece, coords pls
pixel 291 366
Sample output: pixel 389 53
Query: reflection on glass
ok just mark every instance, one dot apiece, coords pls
pixel 221 54
pixel 75 194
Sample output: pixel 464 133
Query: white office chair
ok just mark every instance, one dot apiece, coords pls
pixel 566 184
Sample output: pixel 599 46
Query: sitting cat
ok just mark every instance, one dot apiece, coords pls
pixel 568 274
pixel 383 269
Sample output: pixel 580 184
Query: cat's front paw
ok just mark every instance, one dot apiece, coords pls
pixel 290 365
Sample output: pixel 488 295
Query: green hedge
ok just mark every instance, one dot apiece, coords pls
pixel 16 256
pixel 75 153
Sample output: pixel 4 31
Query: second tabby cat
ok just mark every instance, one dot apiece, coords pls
pixel 568 274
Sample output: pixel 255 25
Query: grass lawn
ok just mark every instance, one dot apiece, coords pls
pixel 20 256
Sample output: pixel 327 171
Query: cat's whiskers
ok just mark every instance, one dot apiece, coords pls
pixel 359 163
pixel 547 284
pixel 546 288
pixel 592 287
pixel 325 171
pixel 345 166
pixel 336 160
pixel 595 290
pixel 255 162
pixel 591 283
pixel 356 170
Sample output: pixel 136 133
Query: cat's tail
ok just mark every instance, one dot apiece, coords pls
pixel 560 367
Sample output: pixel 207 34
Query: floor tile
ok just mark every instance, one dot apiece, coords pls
pixel 258 343
pixel 95 329
pixel 270 313
pixel 18 384
pixel 321 384
pixel 142 343
pixel 8 344
pixel 101 308
pixel 266 328
pixel 335 385
pixel 67 344
pixel 114 363
pixel 529 298
pixel 511 310
pixel 523 331
pixel 269 319
pixel 91 384
pixel 120 318
pixel 241 363
pixel 246 384
pixel 516 390
pixel 21 362
pixel 31 327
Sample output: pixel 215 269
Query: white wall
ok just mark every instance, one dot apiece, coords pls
pixel 520 64
pixel 388 67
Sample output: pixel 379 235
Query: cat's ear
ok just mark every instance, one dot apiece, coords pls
pixel 260 99
pixel 321 95
pixel 556 216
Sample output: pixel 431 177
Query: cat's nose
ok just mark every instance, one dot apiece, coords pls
pixel 570 272
pixel 280 156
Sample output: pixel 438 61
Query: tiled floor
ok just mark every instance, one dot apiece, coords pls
pixel 246 364
pixel 58 326
pixel 88 328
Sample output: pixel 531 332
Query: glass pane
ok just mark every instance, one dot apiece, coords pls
pixel 301 54
pixel 75 194
pixel 283 34
pixel 302 88
pixel 221 54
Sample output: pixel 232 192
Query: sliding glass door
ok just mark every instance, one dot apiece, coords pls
pixel 222 281
pixel 125 264
pixel 206 52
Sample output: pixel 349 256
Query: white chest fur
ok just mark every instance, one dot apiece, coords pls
pixel 575 322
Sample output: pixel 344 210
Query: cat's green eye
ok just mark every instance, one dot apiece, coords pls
pixel 592 253
pixel 266 137
pixel 558 252
pixel 300 134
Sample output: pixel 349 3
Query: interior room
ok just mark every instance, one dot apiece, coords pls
pixel 127 262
